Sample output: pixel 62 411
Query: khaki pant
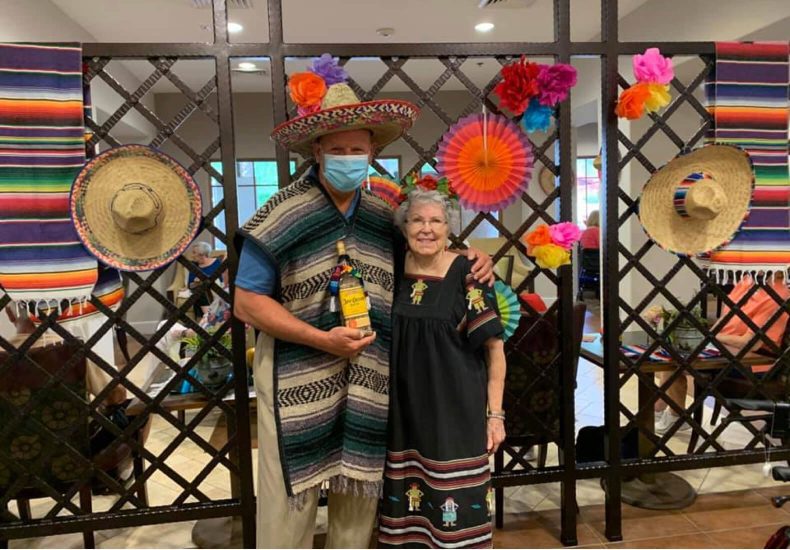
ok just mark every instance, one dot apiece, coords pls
pixel 351 519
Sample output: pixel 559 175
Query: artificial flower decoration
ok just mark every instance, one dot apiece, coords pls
pixel 565 234
pixel 555 83
pixel 539 237
pixel 551 245
pixel 519 84
pixel 551 256
pixel 308 89
pixel 631 104
pixel 532 90
pixel 537 117
pixel 328 68
pixel 429 182
pixel 651 66
pixel 653 73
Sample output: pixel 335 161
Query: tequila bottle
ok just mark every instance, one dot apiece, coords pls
pixel 354 307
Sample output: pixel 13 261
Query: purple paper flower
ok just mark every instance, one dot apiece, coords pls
pixel 537 117
pixel 328 68
pixel 652 67
pixel 555 82
pixel 565 234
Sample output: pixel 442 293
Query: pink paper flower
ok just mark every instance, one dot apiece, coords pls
pixel 555 82
pixel 565 234
pixel 653 67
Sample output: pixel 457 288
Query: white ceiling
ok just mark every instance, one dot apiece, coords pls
pixel 328 21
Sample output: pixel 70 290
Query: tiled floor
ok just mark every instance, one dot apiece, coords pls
pixel 733 509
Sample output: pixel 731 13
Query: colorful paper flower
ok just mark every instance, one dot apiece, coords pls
pixel 307 90
pixel 565 234
pixel 539 237
pixel 555 83
pixel 328 68
pixel 659 97
pixel 519 84
pixel 537 117
pixel 631 104
pixel 551 256
pixel 652 67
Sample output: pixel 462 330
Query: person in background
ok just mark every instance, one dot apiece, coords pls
pixel 208 265
pixel 734 335
pixel 591 237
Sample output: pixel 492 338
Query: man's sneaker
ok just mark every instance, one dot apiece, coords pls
pixel 666 419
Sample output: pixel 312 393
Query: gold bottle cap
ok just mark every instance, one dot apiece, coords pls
pixel 341 248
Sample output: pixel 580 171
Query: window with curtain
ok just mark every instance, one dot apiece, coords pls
pixel 588 189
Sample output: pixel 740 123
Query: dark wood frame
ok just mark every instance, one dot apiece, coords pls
pixel 557 146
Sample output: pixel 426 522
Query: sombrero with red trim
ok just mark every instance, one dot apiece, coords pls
pixel 327 105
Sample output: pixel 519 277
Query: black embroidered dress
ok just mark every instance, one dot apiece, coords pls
pixel 437 479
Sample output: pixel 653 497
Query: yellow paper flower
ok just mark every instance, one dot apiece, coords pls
pixel 659 97
pixel 551 256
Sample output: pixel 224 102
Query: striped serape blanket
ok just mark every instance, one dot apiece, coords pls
pixel 661 356
pixel 747 95
pixel 42 147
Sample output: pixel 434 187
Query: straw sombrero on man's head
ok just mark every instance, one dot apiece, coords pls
pixel 698 201
pixel 327 105
pixel 135 208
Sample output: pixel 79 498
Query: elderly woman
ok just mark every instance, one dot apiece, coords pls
pixel 446 383
pixel 208 265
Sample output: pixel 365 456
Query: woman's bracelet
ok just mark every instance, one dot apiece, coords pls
pixel 496 414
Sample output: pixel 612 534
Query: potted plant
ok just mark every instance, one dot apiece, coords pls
pixel 214 368
pixel 684 336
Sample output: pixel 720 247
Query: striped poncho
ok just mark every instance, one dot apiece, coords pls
pixel 331 412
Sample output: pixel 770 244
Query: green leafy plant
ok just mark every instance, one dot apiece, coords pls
pixel 195 342
pixel 670 315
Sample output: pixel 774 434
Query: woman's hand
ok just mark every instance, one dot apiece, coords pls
pixel 495 431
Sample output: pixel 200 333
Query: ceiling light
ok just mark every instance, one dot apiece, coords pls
pixel 247 66
pixel 234 28
pixel 484 27
pixel 385 31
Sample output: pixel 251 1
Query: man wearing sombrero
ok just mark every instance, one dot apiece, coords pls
pixel 322 388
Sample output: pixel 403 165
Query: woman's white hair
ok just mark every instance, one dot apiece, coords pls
pixel 202 247
pixel 423 196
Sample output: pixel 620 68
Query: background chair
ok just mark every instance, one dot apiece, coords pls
pixel 532 386
pixel 589 272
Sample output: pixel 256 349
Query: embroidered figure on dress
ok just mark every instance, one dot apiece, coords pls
pixel 417 292
pixel 414 495
pixel 490 501
pixel 449 513
pixel 475 299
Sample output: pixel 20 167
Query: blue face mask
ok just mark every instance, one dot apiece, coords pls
pixel 346 172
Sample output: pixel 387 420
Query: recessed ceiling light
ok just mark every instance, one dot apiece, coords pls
pixel 234 27
pixel 247 66
pixel 385 31
pixel 484 27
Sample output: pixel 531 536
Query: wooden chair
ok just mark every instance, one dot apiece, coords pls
pixel 532 384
